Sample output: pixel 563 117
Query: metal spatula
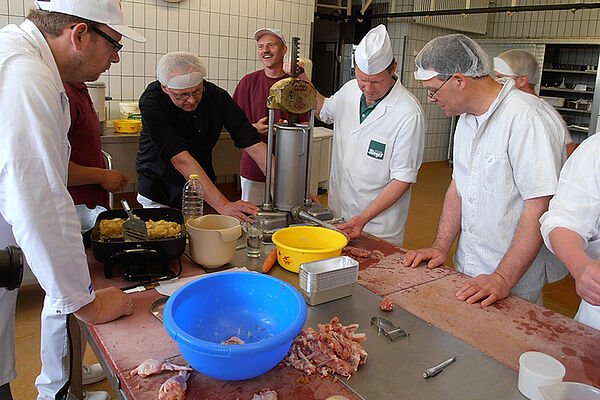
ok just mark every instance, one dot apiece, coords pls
pixel 134 230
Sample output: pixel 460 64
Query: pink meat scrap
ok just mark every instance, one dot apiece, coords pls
pixel 333 349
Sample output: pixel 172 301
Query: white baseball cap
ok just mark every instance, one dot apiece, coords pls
pixel 102 11
pixel 263 31
pixel 374 52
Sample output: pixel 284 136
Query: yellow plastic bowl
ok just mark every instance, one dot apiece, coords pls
pixel 300 244
pixel 127 125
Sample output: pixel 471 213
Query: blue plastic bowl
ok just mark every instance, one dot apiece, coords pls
pixel 265 312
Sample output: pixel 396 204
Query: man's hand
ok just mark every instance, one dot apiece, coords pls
pixel 435 255
pixel 239 209
pixel 352 228
pixel 491 288
pixel 262 125
pixel 587 281
pixel 110 303
pixel 112 180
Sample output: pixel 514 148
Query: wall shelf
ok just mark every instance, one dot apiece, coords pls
pixel 566 109
pixel 569 71
pixel 555 89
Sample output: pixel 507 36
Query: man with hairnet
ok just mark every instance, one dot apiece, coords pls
pixel 378 140
pixel 508 152
pixel 182 117
pixel 522 67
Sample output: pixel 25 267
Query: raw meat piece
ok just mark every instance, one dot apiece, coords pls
pixel 356 252
pixel 234 340
pixel 152 366
pixel 174 388
pixel 265 394
pixel 333 349
pixel 386 304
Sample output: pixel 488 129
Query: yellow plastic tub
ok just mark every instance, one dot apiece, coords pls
pixel 300 244
pixel 127 125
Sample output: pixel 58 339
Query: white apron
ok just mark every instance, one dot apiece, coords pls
pixel 366 157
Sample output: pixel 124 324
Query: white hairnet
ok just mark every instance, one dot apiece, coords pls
pixel 178 63
pixel 451 54
pixel 523 63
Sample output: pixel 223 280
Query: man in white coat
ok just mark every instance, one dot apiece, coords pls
pixel 522 67
pixel 508 151
pixel 61 40
pixel 378 139
pixel 571 226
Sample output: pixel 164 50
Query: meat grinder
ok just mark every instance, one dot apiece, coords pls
pixel 291 202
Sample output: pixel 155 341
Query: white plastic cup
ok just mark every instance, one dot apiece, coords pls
pixel 538 369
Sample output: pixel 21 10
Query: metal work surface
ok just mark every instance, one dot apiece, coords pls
pixel 394 370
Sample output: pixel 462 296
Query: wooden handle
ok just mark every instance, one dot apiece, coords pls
pixel 271 258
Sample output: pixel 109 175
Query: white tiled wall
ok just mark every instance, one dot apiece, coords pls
pixel 219 31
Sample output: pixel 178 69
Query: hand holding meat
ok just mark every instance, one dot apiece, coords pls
pixel 353 228
pixel 435 255
pixel 152 366
pixel 110 303
pixel 174 388
pixel 490 288
pixel 112 180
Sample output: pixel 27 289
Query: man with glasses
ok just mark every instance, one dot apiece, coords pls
pixel 379 134
pixel 59 41
pixel 508 152
pixel 182 117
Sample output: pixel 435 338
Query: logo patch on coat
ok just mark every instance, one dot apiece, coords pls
pixel 376 150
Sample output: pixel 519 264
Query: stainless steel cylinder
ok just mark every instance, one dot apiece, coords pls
pixel 291 166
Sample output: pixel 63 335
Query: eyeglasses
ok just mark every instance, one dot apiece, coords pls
pixel 431 94
pixel 186 96
pixel 117 46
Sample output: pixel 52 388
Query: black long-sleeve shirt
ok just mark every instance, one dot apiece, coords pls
pixel 168 130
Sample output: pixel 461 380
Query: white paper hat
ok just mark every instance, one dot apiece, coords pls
pixel 425 74
pixel 374 52
pixel 263 31
pixel 102 11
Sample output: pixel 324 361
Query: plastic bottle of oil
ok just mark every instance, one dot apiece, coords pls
pixel 192 202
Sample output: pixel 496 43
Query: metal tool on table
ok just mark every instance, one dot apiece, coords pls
pixel 429 372
pixel 133 229
pixel 389 329
pixel 291 202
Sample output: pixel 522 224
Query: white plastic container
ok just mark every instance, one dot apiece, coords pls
pixel 570 391
pixel 213 239
pixel 538 369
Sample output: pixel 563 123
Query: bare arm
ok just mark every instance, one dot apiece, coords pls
pixel 448 228
pixel 388 196
pixel 187 165
pixel 258 152
pixel 109 179
pixel 524 248
pixel 569 248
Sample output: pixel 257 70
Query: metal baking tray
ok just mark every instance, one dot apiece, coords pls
pixel 326 280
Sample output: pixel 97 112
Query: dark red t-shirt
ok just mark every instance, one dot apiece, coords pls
pixel 86 148
pixel 251 95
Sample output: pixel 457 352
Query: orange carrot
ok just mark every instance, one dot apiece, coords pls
pixel 271 258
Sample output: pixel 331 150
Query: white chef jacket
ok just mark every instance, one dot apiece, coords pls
pixel 34 157
pixel 387 145
pixel 512 154
pixel 576 206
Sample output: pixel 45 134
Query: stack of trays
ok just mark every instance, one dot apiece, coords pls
pixel 326 280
